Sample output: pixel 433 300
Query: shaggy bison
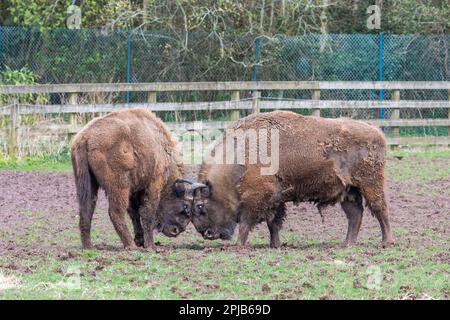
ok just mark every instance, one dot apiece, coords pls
pixel 325 161
pixel 131 155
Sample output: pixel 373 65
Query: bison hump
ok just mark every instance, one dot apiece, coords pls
pixel 112 138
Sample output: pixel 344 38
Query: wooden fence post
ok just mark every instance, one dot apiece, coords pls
pixel 256 95
pixel 316 96
pixel 13 129
pixel 395 113
pixel 151 97
pixel 235 114
pixel 73 100
pixel 449 113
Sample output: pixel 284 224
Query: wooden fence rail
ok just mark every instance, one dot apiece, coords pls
pixel 225 86
pixel 255 103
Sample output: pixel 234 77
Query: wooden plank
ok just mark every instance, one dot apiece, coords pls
pixel 225 86
pixel 231 105
pixel 177 128
pixel 73 100
pixel 213 125
pixel 51 129
pixel 235 114
pixel 410 122
pixel 13 129
pixel 162 106
pixel 256 98
pixel 205 125
pixel 316 97
pixel 151 97
pixel 395 112
pixel 385 123
pixel 353 104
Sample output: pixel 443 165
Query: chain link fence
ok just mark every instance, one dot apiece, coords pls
pixel 90 55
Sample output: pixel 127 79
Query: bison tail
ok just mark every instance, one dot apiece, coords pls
pixel 84 179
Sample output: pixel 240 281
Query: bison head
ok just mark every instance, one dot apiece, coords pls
pixel 175 209
pixel 209 216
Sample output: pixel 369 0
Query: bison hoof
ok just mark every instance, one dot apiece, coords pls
pixel 87 246
pixel 154 249
pixel 131 247
pixel 347 244
pixel 139 242
pixel 388 243
pixel 275 245
pixel 240 246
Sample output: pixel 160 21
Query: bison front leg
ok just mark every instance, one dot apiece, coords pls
pixel 244 230
pixel 275 225
pixel 148 219
pixel 118 205
pixel 353 208
pixel 147 211
pixel 274 229
pixel 133 212
pixel 246 224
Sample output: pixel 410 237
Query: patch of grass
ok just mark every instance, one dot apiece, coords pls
pixel 418 165
pixel 414 171
pixel 255 274
pixel 424 153
pixel 53 162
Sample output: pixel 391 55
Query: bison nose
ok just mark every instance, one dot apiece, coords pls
pixel 208 234
pixel 174 230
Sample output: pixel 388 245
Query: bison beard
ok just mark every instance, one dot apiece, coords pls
pixel 325 161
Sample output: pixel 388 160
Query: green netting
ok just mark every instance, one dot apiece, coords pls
pixel 90 55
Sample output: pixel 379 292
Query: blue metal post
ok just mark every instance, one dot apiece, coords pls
pixel 127 95
pixel 380 72
pixel 256 62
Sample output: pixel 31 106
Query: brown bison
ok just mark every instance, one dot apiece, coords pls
pixel 131 155
pixel 325 161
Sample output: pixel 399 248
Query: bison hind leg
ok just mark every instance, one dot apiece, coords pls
pixel 87 209
pixel 353 208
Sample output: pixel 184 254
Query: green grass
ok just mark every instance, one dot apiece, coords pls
pixel 422 153
pixel 418 165
pixel 55 162
pixel 371 273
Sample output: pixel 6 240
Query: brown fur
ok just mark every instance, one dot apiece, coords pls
pixel 131 155
pixel 325 161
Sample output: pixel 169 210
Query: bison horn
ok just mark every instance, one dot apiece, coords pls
pixel 185 180
pixel 177 189
pixel 197 185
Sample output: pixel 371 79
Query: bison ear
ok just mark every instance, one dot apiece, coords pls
pixel 179 189
pixel 206 192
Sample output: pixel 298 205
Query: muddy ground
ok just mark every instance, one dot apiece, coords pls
pixel 38 220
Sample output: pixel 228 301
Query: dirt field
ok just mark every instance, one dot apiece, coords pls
pixel 40 254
